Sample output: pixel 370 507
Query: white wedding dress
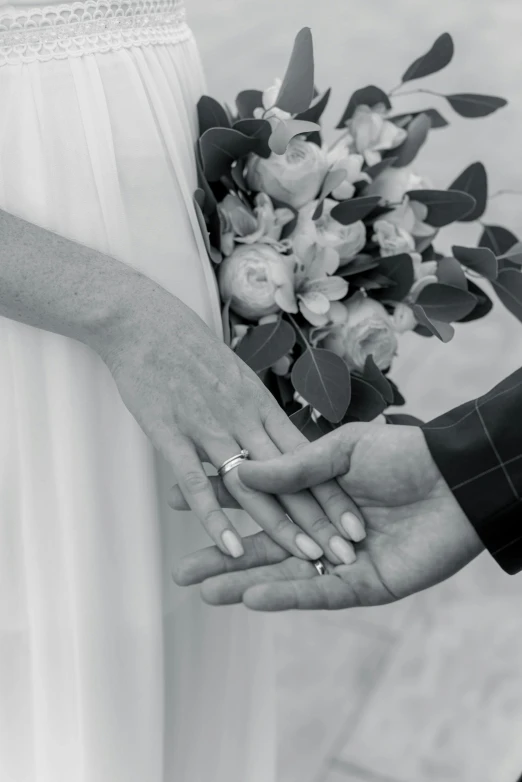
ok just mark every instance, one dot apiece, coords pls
pixel 108 671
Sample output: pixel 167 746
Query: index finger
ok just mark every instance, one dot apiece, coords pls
pixel 310 464
pixel 259 548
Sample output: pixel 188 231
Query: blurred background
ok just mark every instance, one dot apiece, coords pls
pixel 430 689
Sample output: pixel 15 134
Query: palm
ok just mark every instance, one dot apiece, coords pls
pixel 417 534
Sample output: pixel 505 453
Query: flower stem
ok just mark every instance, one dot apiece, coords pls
pixel 300 332
pixel 418 92
pixel 504 192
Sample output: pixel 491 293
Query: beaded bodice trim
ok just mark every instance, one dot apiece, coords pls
pixel 79 28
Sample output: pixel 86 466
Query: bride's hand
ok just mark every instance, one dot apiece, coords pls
pixel 197 401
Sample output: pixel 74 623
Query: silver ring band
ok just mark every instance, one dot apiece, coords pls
pixel 233 462
pixel 320 567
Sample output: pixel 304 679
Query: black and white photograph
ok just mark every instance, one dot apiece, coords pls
pixel 260 391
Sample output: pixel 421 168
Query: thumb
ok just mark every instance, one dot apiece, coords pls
pixel 308 465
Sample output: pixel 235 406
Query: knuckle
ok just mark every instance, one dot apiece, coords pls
pixel 332 496
pixel 195 481
pixel 281 525
pixel 211 515
pixel 302 446
pixel 319 524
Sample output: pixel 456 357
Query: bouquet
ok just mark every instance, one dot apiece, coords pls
pixel 326 255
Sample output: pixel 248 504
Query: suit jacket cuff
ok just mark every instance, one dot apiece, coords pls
pixel 478 449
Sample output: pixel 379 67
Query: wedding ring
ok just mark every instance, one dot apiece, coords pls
pixel 232 463
pixel 320 567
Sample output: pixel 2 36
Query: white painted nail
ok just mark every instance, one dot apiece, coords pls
pixel 309 548
pixel 342 549
pixel 353 527
pixel 232 543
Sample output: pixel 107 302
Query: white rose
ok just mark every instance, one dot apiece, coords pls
pixel 367 331
pixel 251 278
pixel 393 184
pixel 403 318
pixel 294 178
pixel 392 239
pixel 371 133
pixel 346 240
pixel 340 159
pixel 269 110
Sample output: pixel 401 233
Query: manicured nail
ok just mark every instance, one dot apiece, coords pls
pixel 232 543
pixel 353 527
pixel 309 548
pixel 342 549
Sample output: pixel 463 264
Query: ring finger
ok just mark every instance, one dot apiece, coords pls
pixel 264 508
pixel 305 509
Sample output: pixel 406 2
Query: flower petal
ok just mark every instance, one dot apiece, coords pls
pixel 334 288
pixel 284 297
pixel 315 301
pixel 312 317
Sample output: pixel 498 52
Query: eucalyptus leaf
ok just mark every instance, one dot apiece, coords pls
pixel 473 180
pixel 471 105
pixel 399 269
pixel 247 102
pixel 418 130
pixel 225 319
pixel 367 402
pixel 373 375
pixel 220 147
pixel 315 111
pixel 211 114
pixel 444 206
pixel 303 420
pixel 445 303
pixel 508 287
pixel 482 308
pixel 437 120
pixel 437 328
pixel 440 55
pixel 514 254
pixel 450 272
pixel 497 239
pixel 480 259
pixel 323 379
pixel 266 344
pixel 348 212
pixel 297 89
pixel 213 253
pixel 259 129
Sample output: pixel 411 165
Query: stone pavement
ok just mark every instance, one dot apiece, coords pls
pixel 426 690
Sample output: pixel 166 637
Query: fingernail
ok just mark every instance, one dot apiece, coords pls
pixel 232 543
pixel 342 549
pixel 309 548
pixel 353 527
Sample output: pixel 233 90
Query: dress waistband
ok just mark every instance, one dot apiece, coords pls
pixel 78 28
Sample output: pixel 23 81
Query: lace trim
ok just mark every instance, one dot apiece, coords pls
pixel 78 28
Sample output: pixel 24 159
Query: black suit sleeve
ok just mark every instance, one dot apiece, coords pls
pixel 478 449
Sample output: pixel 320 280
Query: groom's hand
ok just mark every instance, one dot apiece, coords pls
pixel 417 534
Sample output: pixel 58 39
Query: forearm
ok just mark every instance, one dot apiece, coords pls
pixel 478 449
pixel 55 284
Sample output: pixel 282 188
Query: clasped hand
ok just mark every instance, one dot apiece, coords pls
pixel 417 534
